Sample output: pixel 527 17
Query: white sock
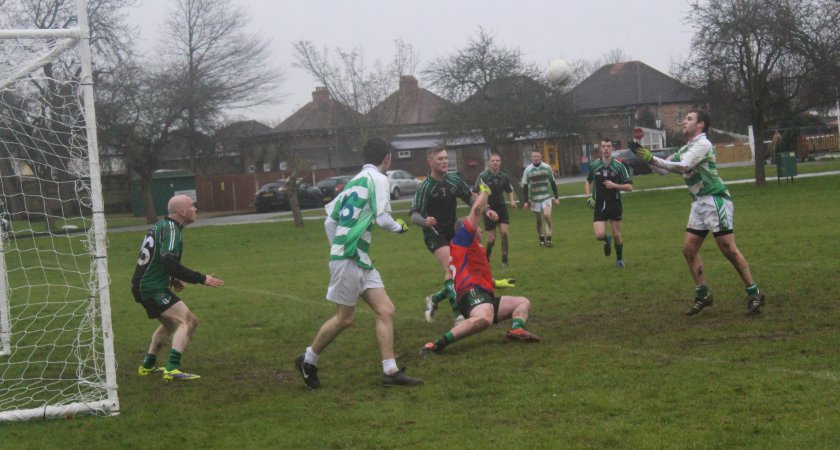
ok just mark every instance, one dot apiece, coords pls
pixel 311 357
pixel 389 366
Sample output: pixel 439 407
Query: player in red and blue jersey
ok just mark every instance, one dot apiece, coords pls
pixel 475 295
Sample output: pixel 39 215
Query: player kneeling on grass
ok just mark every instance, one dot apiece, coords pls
pixel 474 295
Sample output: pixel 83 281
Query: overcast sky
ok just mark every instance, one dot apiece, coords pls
pixel 652 31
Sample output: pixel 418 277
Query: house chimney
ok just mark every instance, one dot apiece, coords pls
pixel 321 96
pixel 408 82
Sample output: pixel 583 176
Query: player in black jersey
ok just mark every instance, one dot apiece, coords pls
pixel 158 272
pixel 499 184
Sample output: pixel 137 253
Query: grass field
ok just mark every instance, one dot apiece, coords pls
pixel 620 366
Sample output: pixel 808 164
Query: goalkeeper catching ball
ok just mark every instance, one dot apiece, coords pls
pixel 474 295
pixel 712 209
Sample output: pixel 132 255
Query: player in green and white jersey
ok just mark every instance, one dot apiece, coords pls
pixel 158 272
pixel 350 218
pixel 610 177
pixel 712 209
pixel 499 184
pixel 539 189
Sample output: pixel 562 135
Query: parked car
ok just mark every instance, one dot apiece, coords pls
pixel 665 152
pixel 634 165
pixel 273 196
pixel 330 187
pixel 402 182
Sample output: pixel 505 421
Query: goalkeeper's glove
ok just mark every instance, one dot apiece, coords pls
pixel 591 202
pixel 641 152
pixel 403 225
pixel 504 282
pixel 482 187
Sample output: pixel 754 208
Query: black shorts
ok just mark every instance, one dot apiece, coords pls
pixel 503 218
pixel 607 210
pixel 475 297
pixel 437 240
pixel 155 304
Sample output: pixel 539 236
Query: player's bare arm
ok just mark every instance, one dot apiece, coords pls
pixel 212 281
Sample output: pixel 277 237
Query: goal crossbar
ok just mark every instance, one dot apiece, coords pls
pixel 39 62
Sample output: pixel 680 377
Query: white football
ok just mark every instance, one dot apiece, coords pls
pixel 559 71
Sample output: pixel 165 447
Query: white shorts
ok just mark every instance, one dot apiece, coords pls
pixel 348 281
pixel 712 213
pixel 544 205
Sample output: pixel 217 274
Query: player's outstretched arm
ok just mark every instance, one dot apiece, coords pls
pixel 172 265
pixel 479 206
pixel 387 222
pixel 662 166
pixel 212 281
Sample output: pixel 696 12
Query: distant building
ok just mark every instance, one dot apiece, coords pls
pixel 315 137
pixel 619 97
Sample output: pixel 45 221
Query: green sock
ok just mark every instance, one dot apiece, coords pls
pixel 445 293
pixel 517 323
pixel 701 291
pixel 619 251
pixel 444 340
pixel 149 361
pixel 752 289
pixel 174 360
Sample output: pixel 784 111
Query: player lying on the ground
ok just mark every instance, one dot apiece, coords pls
pixel 474 296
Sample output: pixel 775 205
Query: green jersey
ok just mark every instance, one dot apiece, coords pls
pixel 439 199
pixel 160 260
pixel 703 178
pixel 599 172
pixel 363 198
pixel 539 182
pixel 499 183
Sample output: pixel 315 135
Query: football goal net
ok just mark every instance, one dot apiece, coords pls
pixel 56 341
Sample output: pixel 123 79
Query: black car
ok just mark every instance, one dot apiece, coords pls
pixel 330 187
pixel 634 165
pixel 273 196
pixel 664 153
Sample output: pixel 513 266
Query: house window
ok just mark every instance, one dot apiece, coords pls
pixel 252 169
pixel 680 116
pixel 403 154
pixel 452 161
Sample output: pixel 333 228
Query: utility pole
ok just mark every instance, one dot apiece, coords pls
pixel 837 110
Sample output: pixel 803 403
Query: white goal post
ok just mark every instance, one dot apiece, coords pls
pixel 56 340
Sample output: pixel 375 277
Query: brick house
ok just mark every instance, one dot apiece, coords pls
pixel 314 138
pixel 619 97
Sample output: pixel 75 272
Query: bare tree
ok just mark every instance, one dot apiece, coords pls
pixel 110 35
pixel 765 56
pixel 584 68
pixel 45 114
pixel 351 81
pixel 615 56
pixel 492 89
pixel 137 110
pixel 222 66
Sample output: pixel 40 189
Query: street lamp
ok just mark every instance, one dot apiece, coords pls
pixel 659 127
